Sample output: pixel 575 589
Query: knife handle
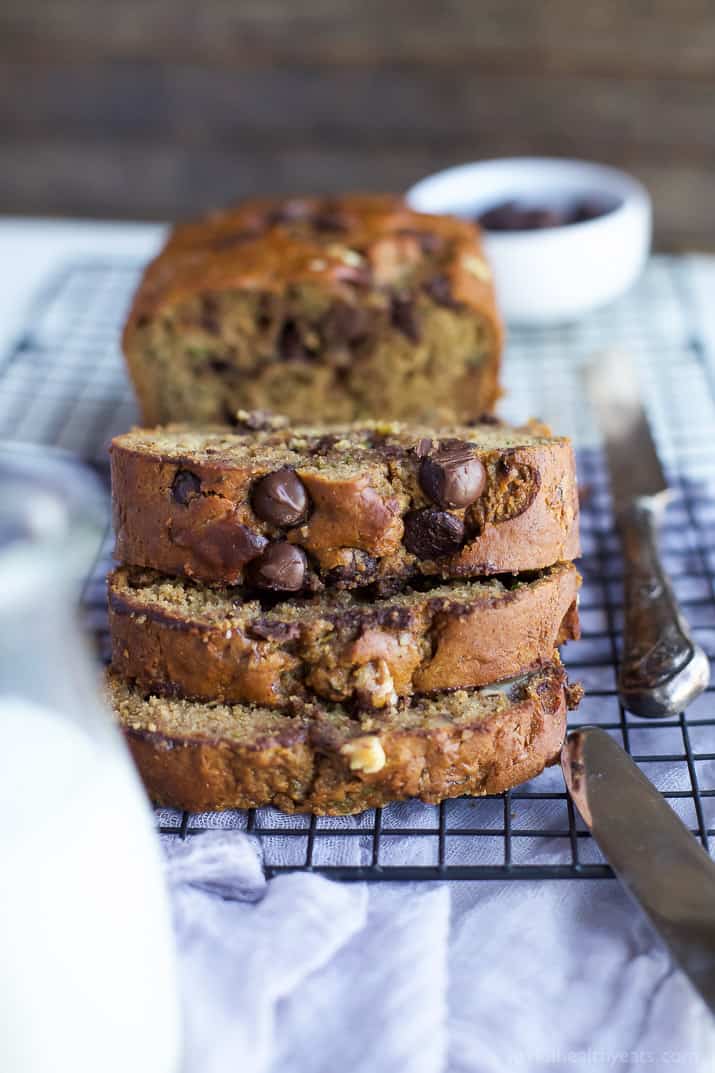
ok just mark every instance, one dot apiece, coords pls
pixel 662 668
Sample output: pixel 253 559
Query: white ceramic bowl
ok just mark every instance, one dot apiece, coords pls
pixel 556 273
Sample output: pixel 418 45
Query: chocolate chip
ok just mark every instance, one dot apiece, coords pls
pixel 439 289
pixel 282 568
pixel 267 312
pixel 139 579
pixel 290 344
pixel 271 630
pixel 358 569
pixel 219 366
pixel 511 216
pixel 227 240
pixel 280 498
pixel 589 208
pixel 540 218
pixel 452 475
pixel 507 216
pixel 230 415
pixel 185 486
pixel 485 419
pixel 431 533
pixel 345 323
pixel 209 319
pixel 403 316
pixel 323 445
pixel 289 212
pixel 329 219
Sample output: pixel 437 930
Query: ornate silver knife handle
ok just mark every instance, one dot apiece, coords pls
pixel 662 668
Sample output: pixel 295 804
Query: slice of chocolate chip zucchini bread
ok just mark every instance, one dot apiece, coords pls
pixel 343 308
pixel 325 759
pixel 179 638
pixel 288 509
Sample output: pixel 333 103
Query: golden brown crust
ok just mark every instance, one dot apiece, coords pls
pixel 454 637
pixel 312 771
pixel 200 256
pixel 361 498
pixel 356 252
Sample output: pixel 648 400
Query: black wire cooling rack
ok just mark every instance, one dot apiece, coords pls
pixel 63 384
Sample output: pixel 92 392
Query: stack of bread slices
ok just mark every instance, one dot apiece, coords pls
pixel 330 617
pixel 329 621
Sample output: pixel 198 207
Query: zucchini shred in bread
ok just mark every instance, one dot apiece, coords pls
pixel 291 509
pixel 320 758
pixel 175 637
pixel 343 307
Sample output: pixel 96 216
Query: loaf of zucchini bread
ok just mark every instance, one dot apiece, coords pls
pixel 341 307
pixel 323 758
pixel 287 509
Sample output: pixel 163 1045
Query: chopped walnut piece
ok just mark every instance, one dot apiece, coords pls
pixel 374 685
pixel 478 268
pixel 365 754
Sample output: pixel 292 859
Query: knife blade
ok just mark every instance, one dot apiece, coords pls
pixel 662 669
pixel 633 465
pixel 661 864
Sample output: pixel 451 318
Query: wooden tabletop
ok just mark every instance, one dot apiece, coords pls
pixel 158 109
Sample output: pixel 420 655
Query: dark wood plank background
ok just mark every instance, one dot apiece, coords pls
pixel 160 108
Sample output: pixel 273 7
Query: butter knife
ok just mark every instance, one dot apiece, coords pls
pixel 654 855
pixel 662 668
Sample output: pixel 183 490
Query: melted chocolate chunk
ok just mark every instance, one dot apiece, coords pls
pixel 290 344
pixel 268 311
pixel 139 579
pixel 431 533
pixel 281 568
pixel 359 570
pixel 266 629
pixel 209 319
pixel 280 498
pixel 329 219
pixel 289 212
pixel 485 419
pixel 439 289
pixel 219 366
pixel 324 444
pixel 452 475
pixel 185 486
pixel 223 544
pixel 234 238
pixel 345 323
pixel 403 316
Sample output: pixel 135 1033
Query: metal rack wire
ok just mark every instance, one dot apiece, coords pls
pixel 63 384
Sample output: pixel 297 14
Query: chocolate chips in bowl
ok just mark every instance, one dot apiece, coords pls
pixel 514 215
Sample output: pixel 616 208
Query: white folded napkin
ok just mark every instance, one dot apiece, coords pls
pixel 305 975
